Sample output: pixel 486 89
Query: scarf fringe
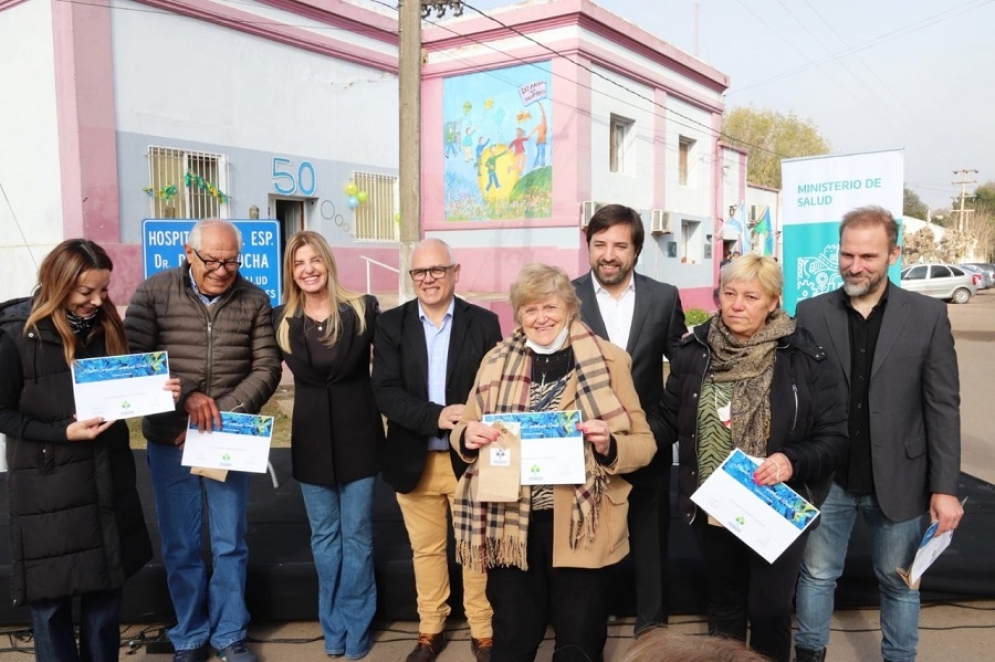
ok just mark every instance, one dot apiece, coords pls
pixel 496 534
pixel 508 552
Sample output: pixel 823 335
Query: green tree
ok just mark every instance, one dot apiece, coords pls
pixel 768 136
pixel 984 198
pixel 913 206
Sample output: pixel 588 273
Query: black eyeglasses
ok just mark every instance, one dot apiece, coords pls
pixel 212 265
pixel 436 272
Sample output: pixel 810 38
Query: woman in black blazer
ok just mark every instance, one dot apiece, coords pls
pixel 325 333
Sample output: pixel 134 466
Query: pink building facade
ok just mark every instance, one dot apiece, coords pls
pixel 530 121
pixel 537 116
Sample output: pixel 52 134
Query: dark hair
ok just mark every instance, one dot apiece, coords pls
pixel 870 216
pixel 610 215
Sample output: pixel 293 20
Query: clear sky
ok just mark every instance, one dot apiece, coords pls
pixel 871 74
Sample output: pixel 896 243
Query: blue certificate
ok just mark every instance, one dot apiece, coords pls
pixel 124 386
pixel 552 447
pixel 242 444
pixel 768 518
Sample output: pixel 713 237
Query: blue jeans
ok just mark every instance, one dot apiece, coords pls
pixel 342 543
pixel 893 545
pixel 210 607
pixel 99 633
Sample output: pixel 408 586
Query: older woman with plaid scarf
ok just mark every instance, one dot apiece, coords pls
pixel 545 554
pixel 751 379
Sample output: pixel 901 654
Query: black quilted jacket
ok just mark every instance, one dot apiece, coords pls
pixel 76 523
pixel 808 413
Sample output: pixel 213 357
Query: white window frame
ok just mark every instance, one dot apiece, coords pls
pixel 375 220
pixel 195 203
pixel 685 152
pixel 620 143
pixel 691 241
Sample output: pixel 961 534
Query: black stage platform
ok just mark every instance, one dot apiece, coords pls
pixel 282 585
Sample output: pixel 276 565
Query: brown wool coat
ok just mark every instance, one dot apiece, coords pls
pixel 635 449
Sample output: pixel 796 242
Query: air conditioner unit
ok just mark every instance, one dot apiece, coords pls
pixel 756 213
pixel 661 222
pixel 589 208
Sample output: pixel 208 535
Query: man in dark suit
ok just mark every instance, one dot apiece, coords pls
pixel 895 351
pixel 426 356
pixel 645 318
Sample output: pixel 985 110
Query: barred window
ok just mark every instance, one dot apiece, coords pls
pixel 375 218
pixel 187 184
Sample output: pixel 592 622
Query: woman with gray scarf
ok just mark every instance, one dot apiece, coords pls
pixel 751 379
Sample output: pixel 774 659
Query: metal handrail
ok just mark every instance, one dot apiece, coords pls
pixel 368 260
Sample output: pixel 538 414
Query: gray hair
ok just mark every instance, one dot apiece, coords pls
pixel 196 234
pixel 432 241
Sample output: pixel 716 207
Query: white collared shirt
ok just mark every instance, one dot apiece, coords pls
pixel 616 313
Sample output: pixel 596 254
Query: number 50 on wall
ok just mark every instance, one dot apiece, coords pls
pixel 284 181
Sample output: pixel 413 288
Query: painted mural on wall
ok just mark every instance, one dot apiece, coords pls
pixel 498 144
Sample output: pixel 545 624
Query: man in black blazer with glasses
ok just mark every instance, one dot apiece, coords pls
pixel 426 355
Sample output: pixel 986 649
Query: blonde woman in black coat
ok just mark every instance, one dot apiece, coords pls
pixel 325 332
pixel 76 523
pixel 751 378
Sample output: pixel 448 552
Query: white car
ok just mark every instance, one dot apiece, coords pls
pixel 943 281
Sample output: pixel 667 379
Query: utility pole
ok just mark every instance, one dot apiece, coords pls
pixel 963 194
pixel 410 15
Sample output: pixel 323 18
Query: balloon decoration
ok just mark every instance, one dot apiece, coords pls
pixel 356 196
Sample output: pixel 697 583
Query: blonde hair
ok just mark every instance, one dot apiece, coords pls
pixel 761 268
pixel 57 278
pixel 538 281
pixel 293 297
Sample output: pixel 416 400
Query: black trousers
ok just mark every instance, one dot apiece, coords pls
pixel 649 538
pixel 573 600
pixel 743 588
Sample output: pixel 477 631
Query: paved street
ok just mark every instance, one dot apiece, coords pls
pixel 974 332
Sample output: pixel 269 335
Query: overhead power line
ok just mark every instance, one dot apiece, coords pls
pixel 922 24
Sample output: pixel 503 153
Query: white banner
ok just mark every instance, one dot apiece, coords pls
pixel 817 191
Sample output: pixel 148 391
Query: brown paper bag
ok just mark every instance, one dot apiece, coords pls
pixel 499 464
pixel 219 475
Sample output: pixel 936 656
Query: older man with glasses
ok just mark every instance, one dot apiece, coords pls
pixel 426 355
pixel 216 327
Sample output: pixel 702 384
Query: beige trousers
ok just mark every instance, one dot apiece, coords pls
pixel 426 517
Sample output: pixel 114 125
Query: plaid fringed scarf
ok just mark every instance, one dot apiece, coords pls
pixel 496 534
